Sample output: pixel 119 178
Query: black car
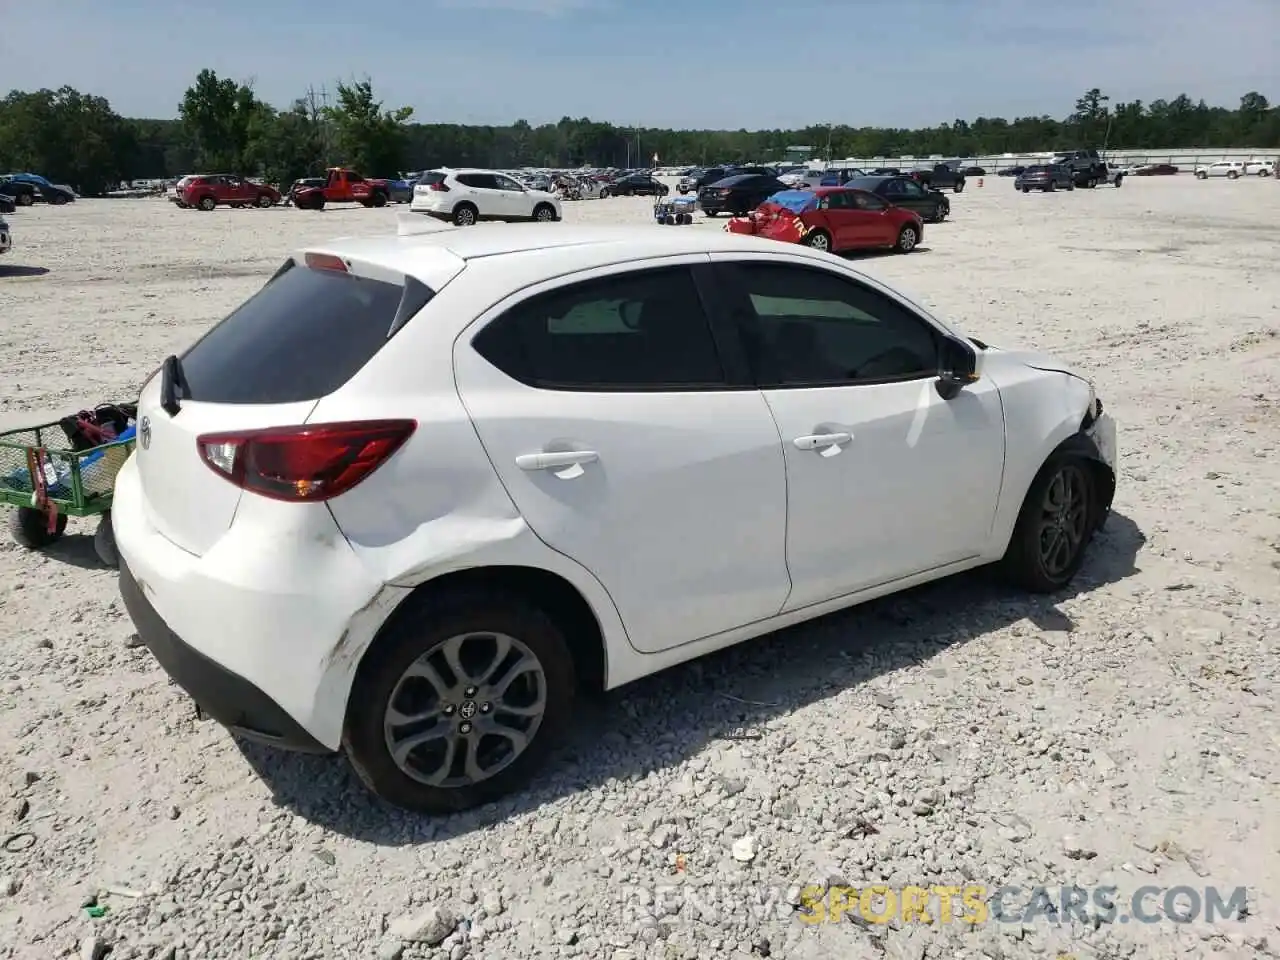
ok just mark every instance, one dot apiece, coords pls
pixel 1156 170
pixel 1010 171
pixel 902 191
pixel 7 203
pixel 635 185
pixel 886 172
pixel 705 178
pixel 26 192
pixel 1045 176
pixel 738 194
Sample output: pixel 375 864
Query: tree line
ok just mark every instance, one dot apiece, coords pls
pixel 223 126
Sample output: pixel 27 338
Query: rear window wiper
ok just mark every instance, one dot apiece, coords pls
pixel 172 385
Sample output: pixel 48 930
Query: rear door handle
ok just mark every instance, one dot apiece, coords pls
pixel 821 441
pixel 566 463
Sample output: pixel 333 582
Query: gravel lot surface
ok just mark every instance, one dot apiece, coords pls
pixel 1125 734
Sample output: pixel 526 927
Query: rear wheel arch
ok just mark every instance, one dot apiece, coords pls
pixel 558 599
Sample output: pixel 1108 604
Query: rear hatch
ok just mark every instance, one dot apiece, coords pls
pixel 301 337
pixel 430 182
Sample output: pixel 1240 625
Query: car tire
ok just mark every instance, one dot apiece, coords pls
pixel 1050 187
pixel 207 203
pixel 424 630
pixel 58 200
pixel 1064 489
pixel 465 215
pixel 1026 189
pixel 1232 175
pixel 104 543
pixel 30 528
pixel 818 240
pixel 544 213
pixel 1119 180
pixel 711 213
pixel 378 199
pixel 1071 186
pixel 265 201
pixel 908 237
pixel 1201 175
pixel 959 187
pixel 24 199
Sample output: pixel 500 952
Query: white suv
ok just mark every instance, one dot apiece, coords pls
pixel 1231 169
pixel 419 491
pixel 1258 168
pixel 465 197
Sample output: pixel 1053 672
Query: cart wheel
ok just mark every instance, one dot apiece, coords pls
pixel 104 542
pixel 30 528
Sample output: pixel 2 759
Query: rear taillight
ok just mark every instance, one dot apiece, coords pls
pixel 438 187
pixel 325 261
pixel 303 464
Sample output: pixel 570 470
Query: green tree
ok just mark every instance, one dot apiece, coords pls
pixel 367 137
pixel 221 117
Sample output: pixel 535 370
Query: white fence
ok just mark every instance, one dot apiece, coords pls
pixel 1184 159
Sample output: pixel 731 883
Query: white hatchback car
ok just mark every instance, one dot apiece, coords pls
pixel 418 491
pixel 1231 169
pixel 465 197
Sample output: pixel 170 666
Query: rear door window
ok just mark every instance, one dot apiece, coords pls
pixel 432 176
pixel 301 337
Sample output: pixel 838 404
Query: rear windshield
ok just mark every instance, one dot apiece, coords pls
pixel 1036 168
pixel 432 176
pixel 301 337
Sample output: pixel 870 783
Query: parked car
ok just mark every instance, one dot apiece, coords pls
pixel 636 185
pixel 704 178
pixel 7 204
pixel 903 191
pixel 1257 168
pixel 1010 171
pixel 175 193
pixel 939 176
pixel 738 194
pixel 355 520
pixel 834 177
pixel 224 189
pixel 1046 177
pixel 400 189
pixel 29 188
pixel 6 236
pixel 885 172
pixel 468 196
pixel 1231 169
pixel 836 219
pixel 1154 170
pixel 1087 167
pixel 974 171
pixel 340 185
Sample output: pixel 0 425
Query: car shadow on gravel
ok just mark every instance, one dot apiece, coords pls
pixel 665 719
pixel 76 550
pixel 8 270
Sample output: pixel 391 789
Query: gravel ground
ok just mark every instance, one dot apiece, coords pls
pixel 1125 734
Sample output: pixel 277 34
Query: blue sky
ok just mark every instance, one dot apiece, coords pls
pixel 693 63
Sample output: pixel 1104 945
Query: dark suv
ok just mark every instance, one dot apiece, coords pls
pixel 1087 168
pixel 1044 176
pixel 704 178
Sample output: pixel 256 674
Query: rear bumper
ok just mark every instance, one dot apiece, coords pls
pixel 227 697
pixel 277 613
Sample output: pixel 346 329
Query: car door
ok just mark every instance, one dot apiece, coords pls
pixel 602 401
pixel 885 477
pixel 916 198
pixel 482 191
pixel 512 198
pixel 841 219
pixel 875 226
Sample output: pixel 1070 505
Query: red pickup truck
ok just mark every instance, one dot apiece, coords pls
pixel 340 186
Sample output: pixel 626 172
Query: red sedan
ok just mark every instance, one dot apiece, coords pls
pixel 834 219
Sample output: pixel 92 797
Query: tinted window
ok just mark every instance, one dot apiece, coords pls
pixel 912 189
pixel 430 177
pixel 482 181
pixel 867 201
pixel 506 183
pixel 640 331
pixel 811 327
pixel 838 201
pixel 300 337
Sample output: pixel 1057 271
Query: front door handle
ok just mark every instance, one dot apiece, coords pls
pixel 567 464
pixel 822 441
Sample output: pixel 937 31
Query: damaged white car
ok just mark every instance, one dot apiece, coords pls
pixel 419 491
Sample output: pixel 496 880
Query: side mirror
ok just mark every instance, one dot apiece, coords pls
pixel 958 366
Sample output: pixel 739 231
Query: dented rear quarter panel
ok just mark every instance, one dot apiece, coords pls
pixel 437 506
